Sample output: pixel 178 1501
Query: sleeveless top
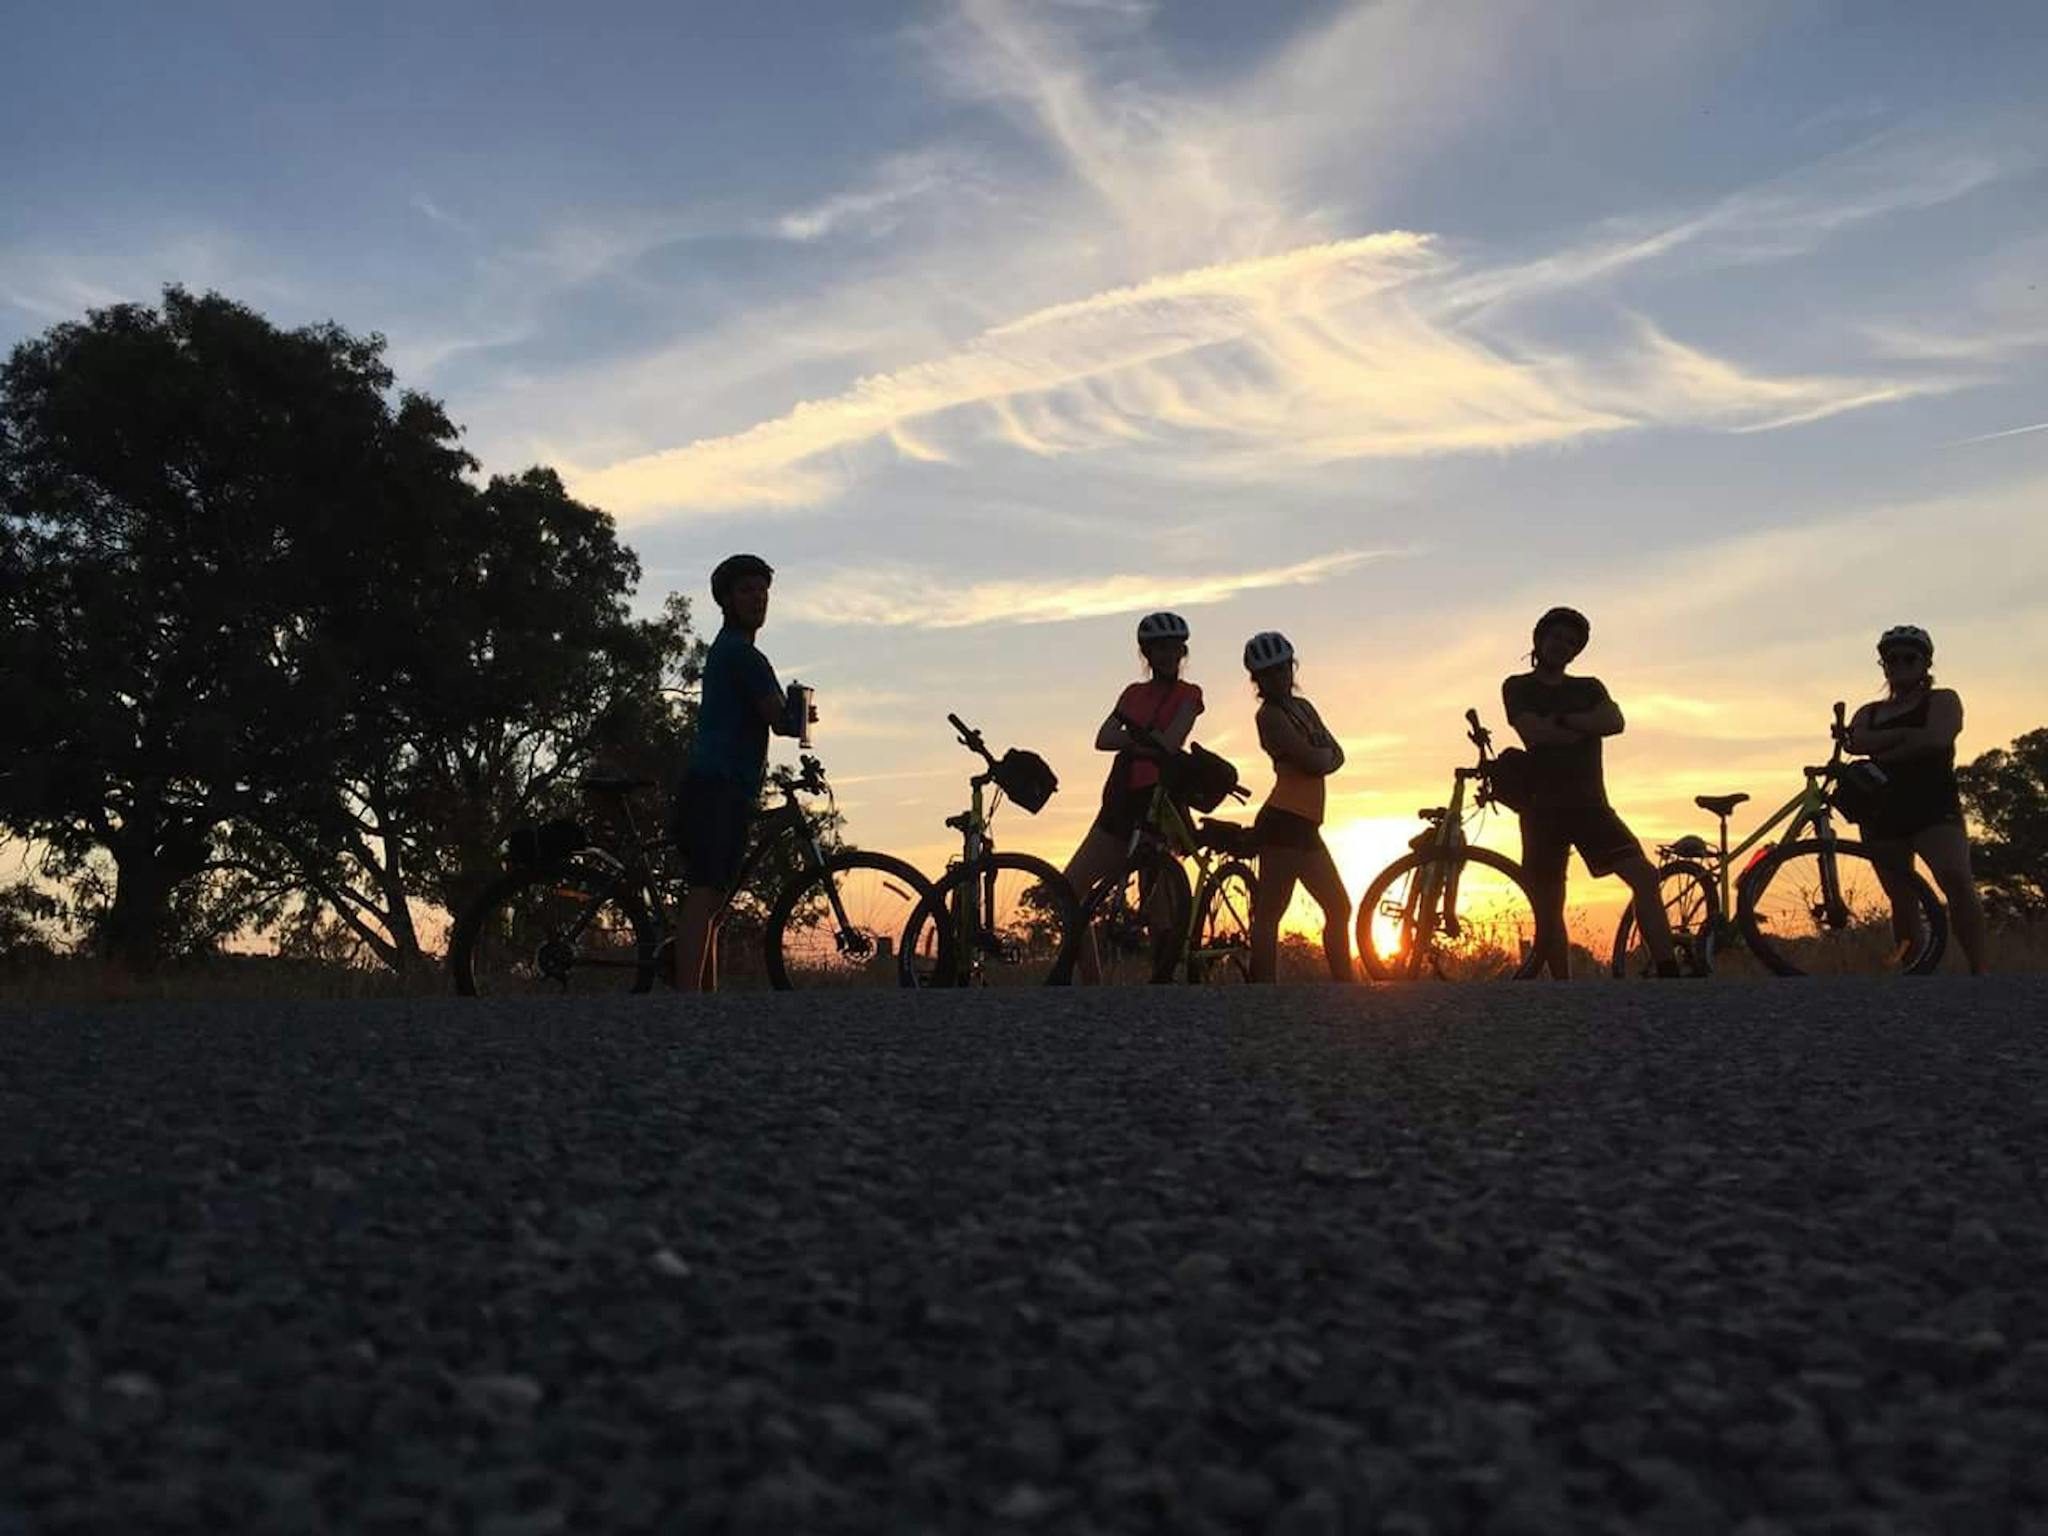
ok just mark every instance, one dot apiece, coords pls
pixel 1922 790
pixel 1304 754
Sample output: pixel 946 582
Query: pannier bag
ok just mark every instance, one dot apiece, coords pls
pixel 1206 780
pixel 1861 791
pixel 1026 778
pixel 1507 778
pixel 544 842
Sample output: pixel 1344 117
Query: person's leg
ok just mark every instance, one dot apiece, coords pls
pixel 1893 860
pixel 1326 885
pixel 696 965
pixel 1652 921
pixel 1544 855
pixel 1100 855
pixel 1946 850
pixel 1279 869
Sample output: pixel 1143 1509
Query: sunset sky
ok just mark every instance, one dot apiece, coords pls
pixel 994 325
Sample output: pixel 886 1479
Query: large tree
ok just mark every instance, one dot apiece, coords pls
pixel 197 506
pixel 520 669
pixel 2006 791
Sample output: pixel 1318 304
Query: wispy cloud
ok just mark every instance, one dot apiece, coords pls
pixel 879 206
pixel 1992 437
pixel 903 597
pixel 1341 350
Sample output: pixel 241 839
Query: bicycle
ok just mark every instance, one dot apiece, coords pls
pixel 1147 920
pixel 1447 908
pixel 993 919
pixel 585 913
pixel 1807 903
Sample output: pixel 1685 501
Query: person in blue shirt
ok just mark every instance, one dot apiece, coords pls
pixel 721 787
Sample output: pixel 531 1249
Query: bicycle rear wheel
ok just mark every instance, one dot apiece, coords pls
pixel 577 927
pixel 1134 923
pixel 1452 914
pixel 1223 933
pixel 838 925
pixel 1797 927
pixel 1024 923
pixel 1692 909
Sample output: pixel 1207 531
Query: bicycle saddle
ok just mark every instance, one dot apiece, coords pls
pixel 1718 805
pixel 602 785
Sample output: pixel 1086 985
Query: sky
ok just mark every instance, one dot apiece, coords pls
pixel 995 324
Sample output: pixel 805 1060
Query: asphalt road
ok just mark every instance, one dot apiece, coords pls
pixel 1619 1257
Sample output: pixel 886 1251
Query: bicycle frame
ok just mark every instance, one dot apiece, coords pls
pixel 1808 808
pixel 1168 825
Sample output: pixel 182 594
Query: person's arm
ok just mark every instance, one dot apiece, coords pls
pixel 1602 718
pixel 1937 736
pixel 771 703
pixel 1120 733
pixel 1281 734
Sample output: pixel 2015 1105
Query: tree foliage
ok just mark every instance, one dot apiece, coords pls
pixel 2006 793
pixel 271 652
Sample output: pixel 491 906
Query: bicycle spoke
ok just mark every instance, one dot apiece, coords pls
pixel 844 926
pixel 557 934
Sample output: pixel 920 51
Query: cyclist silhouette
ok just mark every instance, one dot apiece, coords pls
pixel 1151 721
pixel 1289 824
pixel 1562 720
pixel 1911 735
pixel 721 787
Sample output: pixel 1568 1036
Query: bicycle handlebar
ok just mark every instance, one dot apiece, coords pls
pixel 970 738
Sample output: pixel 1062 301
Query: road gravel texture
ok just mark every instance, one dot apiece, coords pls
pixel 1757 1258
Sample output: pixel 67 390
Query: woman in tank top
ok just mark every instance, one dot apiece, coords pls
pixel 1289 824
pixel 1911 734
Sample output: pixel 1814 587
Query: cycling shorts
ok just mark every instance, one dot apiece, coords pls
pixel 1549 836
pixel 712 818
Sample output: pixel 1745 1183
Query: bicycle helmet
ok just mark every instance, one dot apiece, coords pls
pixel 1268 648
pixel 1570 616
pixel 1906 634
pixel 1162 626
pixel 728 572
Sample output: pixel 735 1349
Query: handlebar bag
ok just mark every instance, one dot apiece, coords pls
pixel 1205 779
pixel 1026 778
pixel 544 842
pixel 1508 776
pixel 1862 791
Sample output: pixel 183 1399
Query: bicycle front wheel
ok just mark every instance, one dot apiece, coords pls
pixel 1134 923
pixel 1800 923
pixel 576 927
pixel 1693 910
pixel 1019 918
pixel 838 925
pixel 1223 933
pixel 1452 914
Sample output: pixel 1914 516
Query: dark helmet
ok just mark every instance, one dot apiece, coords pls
pixel 1907 634
pixel 1570 616
pixel 727 573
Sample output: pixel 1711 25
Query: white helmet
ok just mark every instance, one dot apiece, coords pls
pixel 1162 626
pixel 1906 634
pixel 1268 648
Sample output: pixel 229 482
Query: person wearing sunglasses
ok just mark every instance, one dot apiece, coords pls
pixel 1911 735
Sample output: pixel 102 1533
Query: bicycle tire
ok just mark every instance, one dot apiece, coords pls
pixel 928 954
pixel 1693 939
pixel 1775 950
pixel 1229 930
pixel 1482 963
pixel 859 956
pixel 1127 943
pixel 494 914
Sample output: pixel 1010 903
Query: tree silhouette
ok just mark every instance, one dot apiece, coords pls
pixel 269 645
pixel 2006 793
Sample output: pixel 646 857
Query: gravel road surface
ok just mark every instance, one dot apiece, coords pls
pixel 1508 1260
